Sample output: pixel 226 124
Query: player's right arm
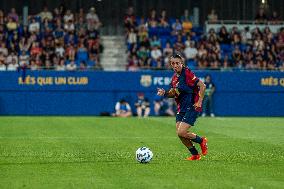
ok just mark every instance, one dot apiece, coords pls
pixel 169 93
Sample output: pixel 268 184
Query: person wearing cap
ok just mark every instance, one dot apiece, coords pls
pixel 142 106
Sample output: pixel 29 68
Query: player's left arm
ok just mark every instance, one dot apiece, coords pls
pixel 202 88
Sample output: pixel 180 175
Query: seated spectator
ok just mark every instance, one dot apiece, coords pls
pixel 13 15
pixel 2 64
pixel 155 42
pixel 186 26
pixel 82 53
pixel 246 36
pixel 190 53
pixel 69 26
pixel 24 59
pixel 153 19
pixel 2 17
pixel 71 66
pixel 167 52
pixel 224 36
pixel 260 16
pixel 163 20
pixel 122 109
pixel 142 106
pixel 61 65
pixel 274 19
pixel 11 25
pixel 68 16
pixel 34 26
pixel 45 14
pixel 212 17
pixel 280 40
pixel 176 27
pixel 156 53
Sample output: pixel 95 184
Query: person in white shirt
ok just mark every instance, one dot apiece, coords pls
pixel 61 66
pixel 13 66
pixel 71 66
pixel 68 16
pixel 156 53
pixel 12 56
pixel 34 26
pixel 92 18
pixel 190 51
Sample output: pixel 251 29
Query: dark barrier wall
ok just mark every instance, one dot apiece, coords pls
pixel 90 93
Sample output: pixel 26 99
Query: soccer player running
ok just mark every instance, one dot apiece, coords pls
pixel 188 92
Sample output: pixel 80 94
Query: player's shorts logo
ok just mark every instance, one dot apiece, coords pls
pixel 146 80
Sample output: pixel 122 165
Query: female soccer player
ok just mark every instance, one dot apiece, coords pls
pixel 188 92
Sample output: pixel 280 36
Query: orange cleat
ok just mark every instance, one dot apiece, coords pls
pixel 194 157
pixel 203 146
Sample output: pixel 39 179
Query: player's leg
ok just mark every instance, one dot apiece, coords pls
pixel 147 112
pixel 139 111
pixel 183 130
pixel 187 142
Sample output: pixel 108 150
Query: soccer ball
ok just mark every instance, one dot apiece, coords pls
pixel 144 155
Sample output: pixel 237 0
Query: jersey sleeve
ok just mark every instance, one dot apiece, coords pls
pixel 190 78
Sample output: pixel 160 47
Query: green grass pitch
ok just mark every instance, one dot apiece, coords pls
pixel 93 152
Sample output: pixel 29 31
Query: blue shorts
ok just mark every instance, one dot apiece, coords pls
pixel 188 117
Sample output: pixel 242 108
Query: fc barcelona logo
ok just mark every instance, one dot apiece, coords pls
pixel 146 80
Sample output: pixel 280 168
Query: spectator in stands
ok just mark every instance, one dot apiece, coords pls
pixel 246 36
pixel 176 27
pixel 93 21
pixel 46 14
pixel 11 25
pixel 156 54
pixel 155 41
pixel 274 19
pixel 153 19
pixel 34 26
pixel 167 52
pixel 2 17
pixel 163 20
pixel 2 62
pixel 207 106
pixel 142 30
pixel 13 15
pixel 142 105
pixel 130 19
pixel 190 53
pixel 122 109
pixel 61 65
pixel 24 59
pixel 13 66
pixel 131 39
pixel 71 66
pixel 185 15
pixel 69 16
pixel 260 16
pixel 186 26
pixel 212 17
pixel 280 40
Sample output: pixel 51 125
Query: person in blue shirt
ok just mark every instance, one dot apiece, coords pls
pixel 122 109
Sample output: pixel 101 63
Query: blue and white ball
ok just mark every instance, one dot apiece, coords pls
pixel 144 155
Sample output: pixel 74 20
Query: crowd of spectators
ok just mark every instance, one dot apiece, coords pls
pixel 151 40
pixel 52 40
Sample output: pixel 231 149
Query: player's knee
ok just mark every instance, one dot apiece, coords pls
pixel 182 133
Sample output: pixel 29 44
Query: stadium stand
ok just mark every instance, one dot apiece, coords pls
pixel 58 40
pixel 220 46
